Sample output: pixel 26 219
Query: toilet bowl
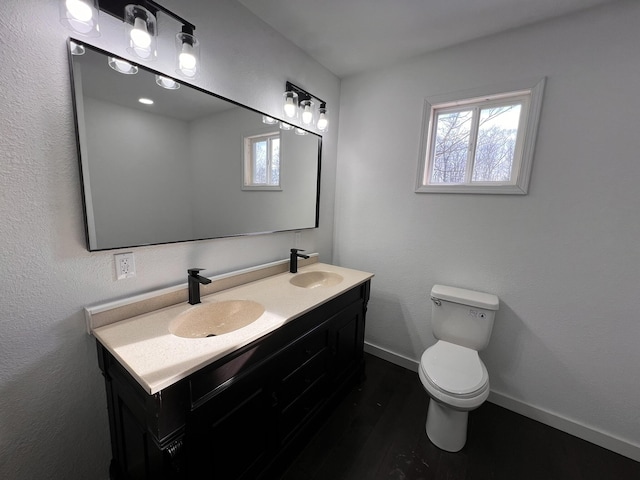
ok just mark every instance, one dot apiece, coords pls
pixel 451 370
pixel 457 381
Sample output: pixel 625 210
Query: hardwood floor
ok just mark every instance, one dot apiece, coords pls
pixel 377 432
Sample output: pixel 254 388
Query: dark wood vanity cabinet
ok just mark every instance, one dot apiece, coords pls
pixel 246 415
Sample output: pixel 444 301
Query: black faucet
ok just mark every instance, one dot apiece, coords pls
pixel 194 284
pixel 293 262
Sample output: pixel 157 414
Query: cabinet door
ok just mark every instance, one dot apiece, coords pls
pixel 347 330
pixel 231 435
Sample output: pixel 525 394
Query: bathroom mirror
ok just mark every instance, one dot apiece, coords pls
pixel 190 166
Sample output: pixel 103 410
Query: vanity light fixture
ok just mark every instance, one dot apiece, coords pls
pixel 141 28
pixel 299 102
pixel 122 66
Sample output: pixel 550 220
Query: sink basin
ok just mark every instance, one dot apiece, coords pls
pixel 213 319
pixel 316 279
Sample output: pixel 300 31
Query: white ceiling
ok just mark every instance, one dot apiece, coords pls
pixel 350 36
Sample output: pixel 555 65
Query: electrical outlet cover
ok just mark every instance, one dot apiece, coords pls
pixel 125 266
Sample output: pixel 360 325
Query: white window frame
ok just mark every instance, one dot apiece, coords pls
pixel 249 162
pixel 531 100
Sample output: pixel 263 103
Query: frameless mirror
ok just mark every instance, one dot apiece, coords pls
pixel 191 165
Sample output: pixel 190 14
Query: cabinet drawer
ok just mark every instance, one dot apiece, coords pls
pixel 294 416
pixel 294 384
pixel 304 350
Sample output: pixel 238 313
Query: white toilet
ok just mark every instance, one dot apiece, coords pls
pixel 451 370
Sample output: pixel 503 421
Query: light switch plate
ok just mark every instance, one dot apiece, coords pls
pixel 125 265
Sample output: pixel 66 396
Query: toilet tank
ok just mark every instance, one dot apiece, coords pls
pixel 464 317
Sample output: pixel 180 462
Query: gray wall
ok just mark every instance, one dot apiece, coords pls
pixel 53 415
pixel 564 260
pixel 149 173
pixel 221 206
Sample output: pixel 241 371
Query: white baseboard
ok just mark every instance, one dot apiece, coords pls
pixel 572 427
pixel 391 357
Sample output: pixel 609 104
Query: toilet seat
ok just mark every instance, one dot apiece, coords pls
pixel 454 370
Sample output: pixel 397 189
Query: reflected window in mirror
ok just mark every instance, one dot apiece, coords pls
pixel 262 162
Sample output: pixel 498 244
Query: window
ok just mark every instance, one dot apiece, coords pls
pixel 482 144
pixel 262 162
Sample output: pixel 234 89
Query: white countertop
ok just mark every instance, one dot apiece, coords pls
pixel 156 358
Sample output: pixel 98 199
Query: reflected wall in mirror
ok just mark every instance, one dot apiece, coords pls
pixel 189 166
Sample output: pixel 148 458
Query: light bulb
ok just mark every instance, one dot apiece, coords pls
pixel 187 60
pixel 289 108
pixel 139 34
pixel 307 115
pixel 323 122
pixel 79 10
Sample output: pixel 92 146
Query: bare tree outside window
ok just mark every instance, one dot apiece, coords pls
pixel 480 140
pixel 491 144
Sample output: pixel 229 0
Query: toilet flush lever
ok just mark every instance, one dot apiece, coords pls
pixel 437 301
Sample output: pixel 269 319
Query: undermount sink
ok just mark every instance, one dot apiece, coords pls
pixel 316 279
pixel 213 319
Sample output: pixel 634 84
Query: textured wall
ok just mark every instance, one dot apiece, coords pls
pixel 53 419
pixel 564 260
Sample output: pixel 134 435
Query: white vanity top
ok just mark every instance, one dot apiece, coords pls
pixel 156 358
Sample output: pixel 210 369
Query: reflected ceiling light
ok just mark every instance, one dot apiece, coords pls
pixel 285 126
pixel 269 120
pixel 166 82
pixel 141 28
pixel 81 16
pixel 298 102
pixel 145 101
pixel 300 131
pixel 122 66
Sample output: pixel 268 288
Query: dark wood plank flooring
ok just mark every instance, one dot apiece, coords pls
pixel 377 432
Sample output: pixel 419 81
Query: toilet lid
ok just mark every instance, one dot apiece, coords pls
pixel 454 368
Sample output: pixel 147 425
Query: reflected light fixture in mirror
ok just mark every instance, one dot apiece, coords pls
pixel 81 16
pixel 122 66
pixel 76 48
pixel 166 82
pixel 298 102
